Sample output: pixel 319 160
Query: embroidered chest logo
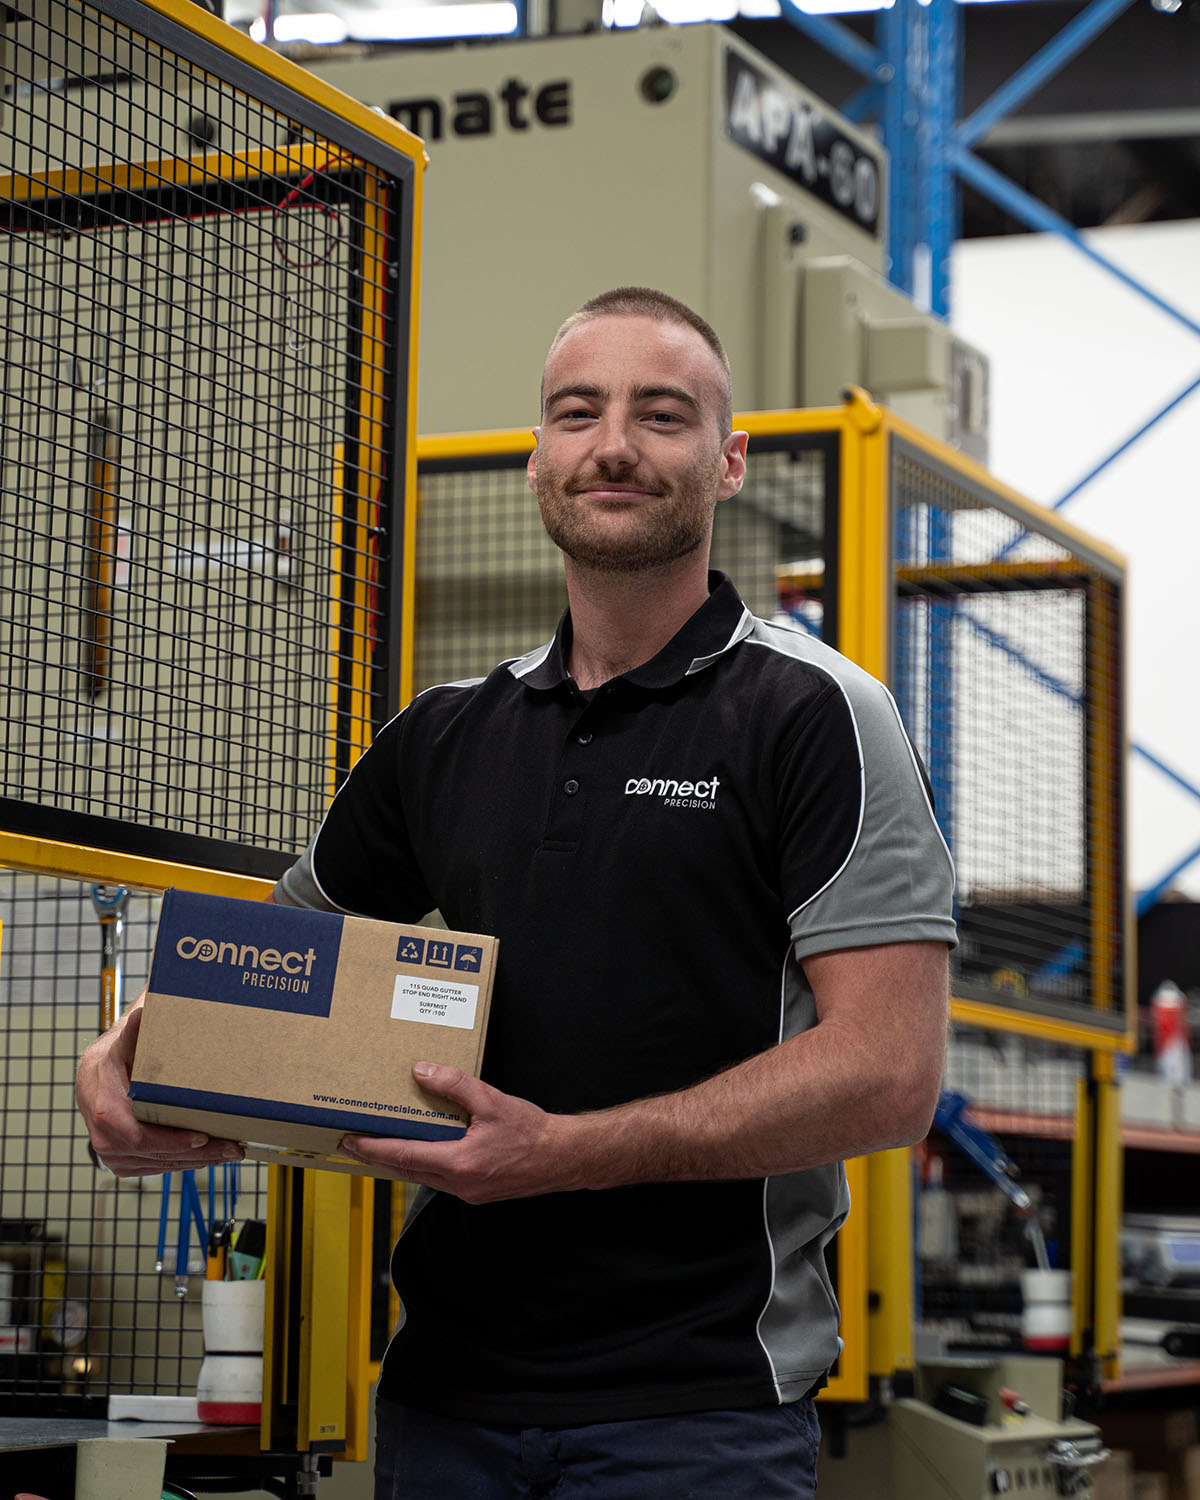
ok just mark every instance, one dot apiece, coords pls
pixel 672 793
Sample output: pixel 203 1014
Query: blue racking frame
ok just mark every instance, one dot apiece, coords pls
pixel 912 90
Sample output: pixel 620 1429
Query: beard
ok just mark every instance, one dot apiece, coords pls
pixel 673 522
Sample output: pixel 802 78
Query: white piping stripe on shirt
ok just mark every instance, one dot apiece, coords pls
pixel 742 629
pixel 766 1215
pixel 762 1343
pixel 862 770
pixel 521 666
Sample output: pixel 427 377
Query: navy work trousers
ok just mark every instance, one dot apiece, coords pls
pixel 768 1453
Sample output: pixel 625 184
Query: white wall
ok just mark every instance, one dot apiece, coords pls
pixel 1079 361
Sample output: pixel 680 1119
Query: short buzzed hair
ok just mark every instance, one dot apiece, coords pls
pixel 645 302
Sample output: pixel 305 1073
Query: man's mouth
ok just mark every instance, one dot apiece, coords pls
pixel 600 489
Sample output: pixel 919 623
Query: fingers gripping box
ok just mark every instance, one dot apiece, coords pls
pixel 287 1029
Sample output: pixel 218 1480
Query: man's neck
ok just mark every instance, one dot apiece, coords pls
pixel 619 621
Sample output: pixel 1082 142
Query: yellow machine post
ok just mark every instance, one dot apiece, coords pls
pixel 849 1379
pixel 316 1372
pixel 865 589
pixel 358 1324
pixel 1083 1205
pixel 1106 1259
pixel 279 1332
pixel 324 1310
pixel 864 539
pixel 890 1262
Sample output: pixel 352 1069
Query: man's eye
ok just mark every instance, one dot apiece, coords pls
pixel 664 418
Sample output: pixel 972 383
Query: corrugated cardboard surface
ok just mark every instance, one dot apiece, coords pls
pixel 1163 1448
pixel 237 1056
pixel 1114 1480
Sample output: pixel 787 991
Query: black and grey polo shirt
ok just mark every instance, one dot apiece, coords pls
pixel 656 858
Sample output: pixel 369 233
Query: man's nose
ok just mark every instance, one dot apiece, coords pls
pixel 614 445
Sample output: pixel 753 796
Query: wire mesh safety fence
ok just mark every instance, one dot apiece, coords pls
pixel 1006 652
pixel 198 448
pixel 85 1313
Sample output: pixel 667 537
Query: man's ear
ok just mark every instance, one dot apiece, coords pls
pixel 733 463
pixel 531 466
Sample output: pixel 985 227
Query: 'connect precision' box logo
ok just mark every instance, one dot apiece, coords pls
pixel 251 953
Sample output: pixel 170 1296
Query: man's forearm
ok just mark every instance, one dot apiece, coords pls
pixel 798 1105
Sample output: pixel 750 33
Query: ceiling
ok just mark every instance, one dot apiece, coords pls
pixel 1113 138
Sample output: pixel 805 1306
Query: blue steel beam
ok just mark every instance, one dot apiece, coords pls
pixel 944 96
pixel 1026 208
pixel 1099 468
pixel 900 96
pixel 1180 781
pixel 863 103
pixel 1096 469
pixel 1057 52
pixel 900 29
pixel 1154 894
pixel 1036 215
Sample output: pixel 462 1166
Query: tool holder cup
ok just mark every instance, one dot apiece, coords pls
pixel 229 1390
pixel 1046 1314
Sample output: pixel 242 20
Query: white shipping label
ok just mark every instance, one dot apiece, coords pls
pixel 437 1002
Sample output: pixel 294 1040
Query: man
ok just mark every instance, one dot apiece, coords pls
pixel 723 908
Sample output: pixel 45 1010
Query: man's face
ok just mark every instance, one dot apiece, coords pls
pixel 631 462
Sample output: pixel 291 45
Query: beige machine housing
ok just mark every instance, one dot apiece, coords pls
pixel 675 157
pixel 1033 1450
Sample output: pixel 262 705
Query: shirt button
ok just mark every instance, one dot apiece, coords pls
pixel 571 787
pixel 585 738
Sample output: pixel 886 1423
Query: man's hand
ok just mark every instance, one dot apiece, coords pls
pixel 511 1149
pixel 126 1146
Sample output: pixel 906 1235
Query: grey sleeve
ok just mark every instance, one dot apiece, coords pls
pixel 298 886
pixel 895 882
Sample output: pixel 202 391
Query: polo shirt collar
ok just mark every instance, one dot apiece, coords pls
pixel 716 627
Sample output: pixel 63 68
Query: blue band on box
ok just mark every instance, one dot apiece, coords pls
pixel 246 953
pixel 351 1122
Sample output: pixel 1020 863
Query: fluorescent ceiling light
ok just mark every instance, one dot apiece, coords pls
pixel 422 22
pixel 846 7
pixel 761 10
pixel 683 12
pixel 319 27
pixel 626 13
pixel 621 13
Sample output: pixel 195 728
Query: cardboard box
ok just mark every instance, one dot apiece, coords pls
pixel 1149 1433
pixel 1162 1443
pixel 1150 1487
pixel 286 1029
pixel 1190 1472
pixel 1114 1479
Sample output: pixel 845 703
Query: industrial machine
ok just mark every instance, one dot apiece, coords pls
pixel 980 1428
pixel 675 157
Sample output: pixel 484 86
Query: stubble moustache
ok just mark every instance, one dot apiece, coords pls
pixel 671 524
